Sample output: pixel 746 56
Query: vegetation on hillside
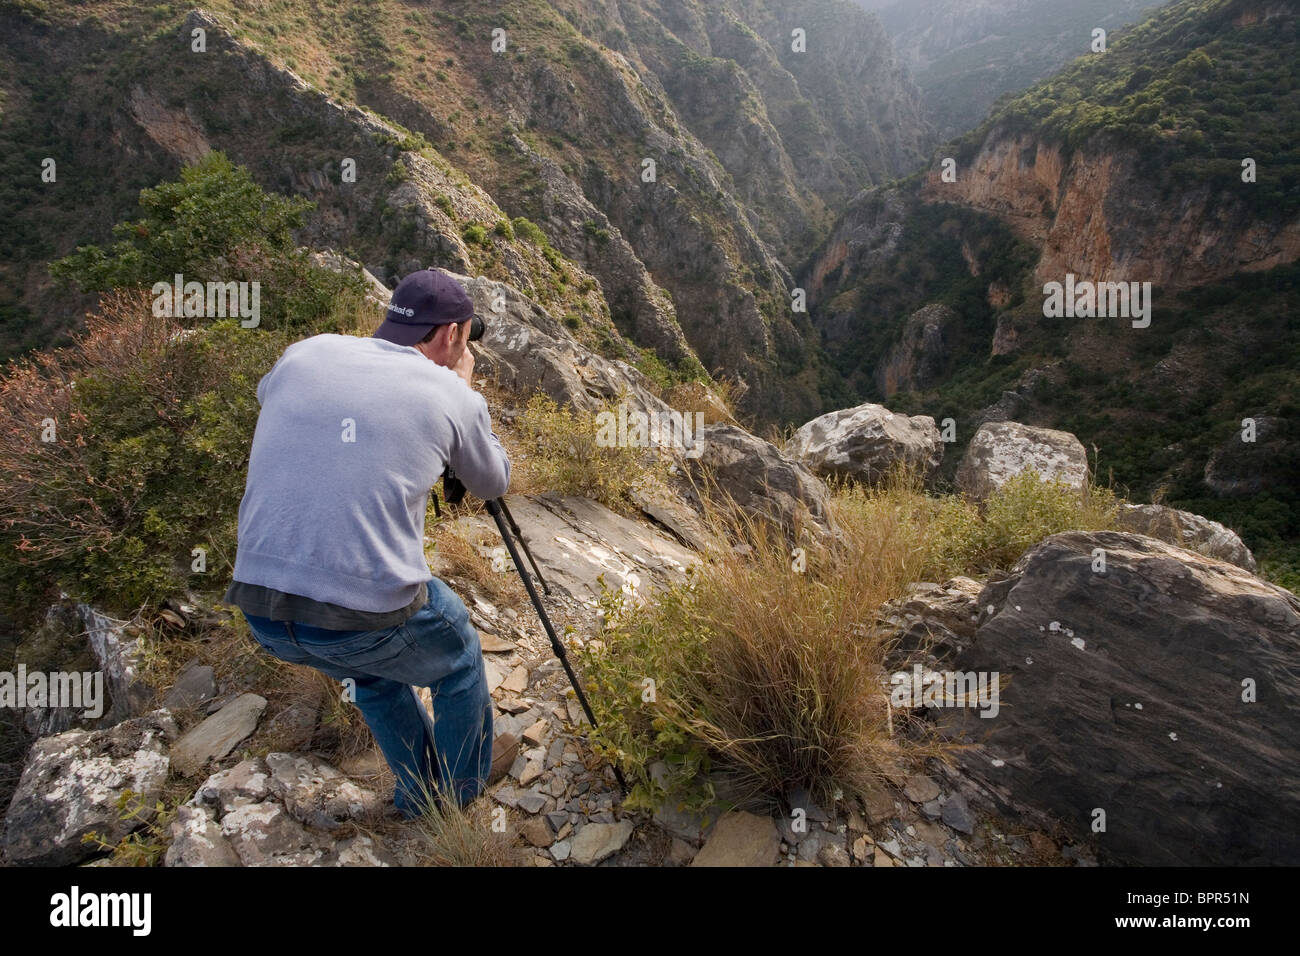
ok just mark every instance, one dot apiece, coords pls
pixel 124 452
pixel 1195 88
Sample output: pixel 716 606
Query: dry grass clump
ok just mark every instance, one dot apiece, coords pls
pixel 767 674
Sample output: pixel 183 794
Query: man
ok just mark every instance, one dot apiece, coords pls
pixel 330 568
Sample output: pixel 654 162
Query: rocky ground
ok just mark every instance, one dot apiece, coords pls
pixel 562 802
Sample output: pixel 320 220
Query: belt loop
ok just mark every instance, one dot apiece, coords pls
pixel 293 639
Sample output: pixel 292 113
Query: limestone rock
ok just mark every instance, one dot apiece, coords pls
pixel 317 794
pixel 761 479
pixel 71 784
pixel 576 541
pixel 1001 450
pixel 598 841
pixel 1187 530
pixel 219 734
pixel 197 840
pixel 917 359
pixel 740 839
pixel 195 685
pixel 865 442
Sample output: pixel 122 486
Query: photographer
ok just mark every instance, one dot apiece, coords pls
pixel 330 570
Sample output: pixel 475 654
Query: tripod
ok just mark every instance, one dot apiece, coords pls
pixel 453 492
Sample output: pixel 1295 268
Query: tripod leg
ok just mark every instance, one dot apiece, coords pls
pixel 494 508
pixel 514 527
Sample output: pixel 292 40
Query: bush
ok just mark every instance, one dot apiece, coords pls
pixel 769 678
pixel 565 457
pixel 1027 509
pixel 475 234
pixel 529 230
pixel 956 536
pixel 152 427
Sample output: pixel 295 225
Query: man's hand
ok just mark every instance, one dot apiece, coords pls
pixel 464 366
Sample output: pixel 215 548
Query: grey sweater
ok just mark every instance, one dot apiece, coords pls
pixel 353 434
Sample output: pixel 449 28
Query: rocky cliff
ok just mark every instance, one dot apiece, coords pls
pixel 1168 160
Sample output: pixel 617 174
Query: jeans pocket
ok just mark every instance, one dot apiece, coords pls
pixel 358 649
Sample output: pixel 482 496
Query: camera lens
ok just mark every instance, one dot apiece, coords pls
pixel 476 329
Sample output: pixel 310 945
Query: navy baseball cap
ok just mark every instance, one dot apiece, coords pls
pixel 421 301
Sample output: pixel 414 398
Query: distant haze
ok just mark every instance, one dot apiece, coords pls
pixel 964 54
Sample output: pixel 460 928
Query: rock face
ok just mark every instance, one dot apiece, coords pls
pixel 917 359
pixel 940 618
pixel 760 479
pixel 1001 450
pixel 865 442
pixel 1078 209
pixel 1160 691
pixel 576 540
pixel 71 785
pixel 529 350
pixel 1187 530
pixel 70 630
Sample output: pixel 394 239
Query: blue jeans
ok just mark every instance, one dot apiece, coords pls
pixel 438 648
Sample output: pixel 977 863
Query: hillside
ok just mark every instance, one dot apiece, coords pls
pixel 1127 166
pixel 693 267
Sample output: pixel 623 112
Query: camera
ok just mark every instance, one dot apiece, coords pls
pixel 476 328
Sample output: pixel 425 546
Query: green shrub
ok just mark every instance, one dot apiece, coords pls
pixel 529 230
pixel 1027 509
pixel 214 224
pixel 474 234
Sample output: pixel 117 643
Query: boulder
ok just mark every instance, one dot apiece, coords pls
pixel 317 794
pixel 938 618
pixel 1187 530
pixel 865 442
pixel 281 811
pixel 71 786
pixel 197 840
pixel 761 480
pixel 1001 450
pixel 76 638
pixel 1158 689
